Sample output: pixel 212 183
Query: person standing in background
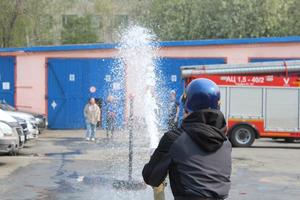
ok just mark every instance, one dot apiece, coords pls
pixel 92 115
pixel 173 112
pixel 181 109
pixel 110 116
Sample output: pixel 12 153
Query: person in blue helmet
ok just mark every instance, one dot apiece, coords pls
pixel 197 156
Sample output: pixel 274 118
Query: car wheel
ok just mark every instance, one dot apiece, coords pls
pixel 289 140
pixel 14 153
pixel 242 136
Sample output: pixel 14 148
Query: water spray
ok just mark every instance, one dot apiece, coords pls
pixel 130 146
pixel 130 184
pixel 138 52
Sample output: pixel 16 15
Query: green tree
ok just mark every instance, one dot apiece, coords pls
pixel 30 22
pixel 197 19
pixel 42 22
pixel 78 30
pixel 10 11
pixel 38 22
pixel 292 20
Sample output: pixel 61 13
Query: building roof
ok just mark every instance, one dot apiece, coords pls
pixel 76 47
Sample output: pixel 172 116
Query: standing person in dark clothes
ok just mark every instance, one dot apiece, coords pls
pixel 173 112
pixel 181 109
pixel 110 116
pixel 196 156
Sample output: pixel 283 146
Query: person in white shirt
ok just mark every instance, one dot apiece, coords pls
pixel 92 115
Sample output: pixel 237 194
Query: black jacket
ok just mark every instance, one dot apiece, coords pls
pixel 197 157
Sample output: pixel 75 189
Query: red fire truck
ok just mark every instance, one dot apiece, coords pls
pixel 259 100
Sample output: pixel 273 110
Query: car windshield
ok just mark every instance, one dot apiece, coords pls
pixel 7 107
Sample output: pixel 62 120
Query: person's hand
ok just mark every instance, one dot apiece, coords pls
pixel 98 124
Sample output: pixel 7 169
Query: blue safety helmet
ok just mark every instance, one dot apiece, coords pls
pixel 201 94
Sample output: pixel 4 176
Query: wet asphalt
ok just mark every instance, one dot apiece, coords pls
pixel 62 165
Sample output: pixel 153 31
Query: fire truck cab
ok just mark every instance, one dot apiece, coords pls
pixel 258 100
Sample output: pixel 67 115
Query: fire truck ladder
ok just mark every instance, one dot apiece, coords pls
pixel 249 68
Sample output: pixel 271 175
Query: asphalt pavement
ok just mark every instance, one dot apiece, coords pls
pixel 62 165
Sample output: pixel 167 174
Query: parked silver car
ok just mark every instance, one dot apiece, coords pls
pixel 31 124
pixel 22 131
pixel 38 119
pixel 9 139
pixel 15 125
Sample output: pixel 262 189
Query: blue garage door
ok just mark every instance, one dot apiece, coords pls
pixel 7 79
pixel 71 82
pixel 169 69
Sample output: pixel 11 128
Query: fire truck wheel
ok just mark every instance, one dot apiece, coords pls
pixel 242 136
pixel 289 140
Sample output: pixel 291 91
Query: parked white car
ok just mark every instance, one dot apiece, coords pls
pixel 31 122
pixel 11 142
pixel 9 139
pixel 40 120
pixel 14 123
pixel 24 131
